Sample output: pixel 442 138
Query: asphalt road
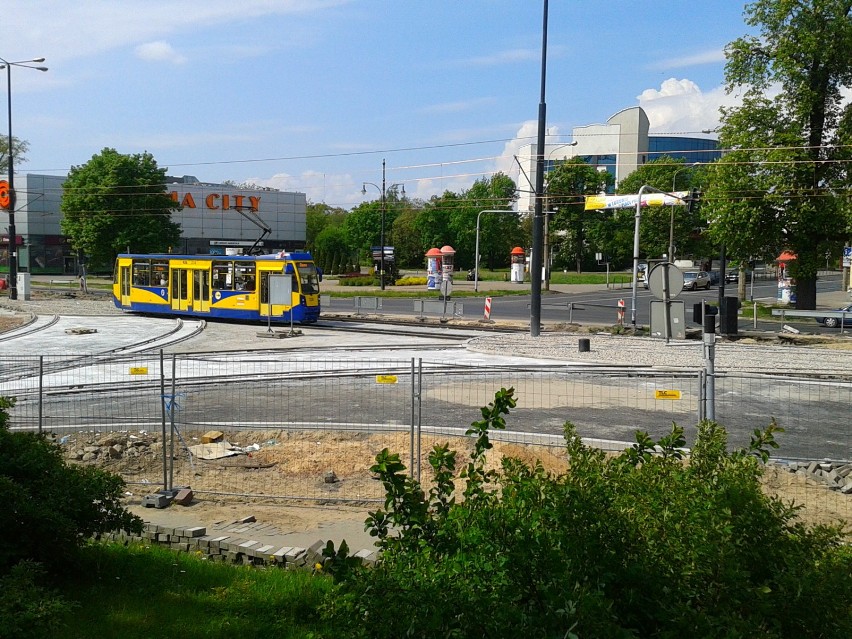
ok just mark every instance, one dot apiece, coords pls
pixel 601 306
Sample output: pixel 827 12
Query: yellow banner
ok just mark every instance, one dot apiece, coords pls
pixel 598 202
pixel 386 379
pixel 139 370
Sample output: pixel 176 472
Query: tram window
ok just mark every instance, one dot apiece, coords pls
pixel 244 276
pixel 223 275
pixel 159 273
pixel 141 273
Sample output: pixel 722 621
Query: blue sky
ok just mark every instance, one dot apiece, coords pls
pixel 311 95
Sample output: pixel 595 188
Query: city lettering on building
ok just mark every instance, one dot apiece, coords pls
pixel 216 201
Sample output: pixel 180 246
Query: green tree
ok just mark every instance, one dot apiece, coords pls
pixel 783 184
pixel 329 243
pixel 19 147
pixel 451 219
pixel 666 174
pixel 406 239
pixel 567 187
pixel 318 217
pixel 117 202
pixel 498 233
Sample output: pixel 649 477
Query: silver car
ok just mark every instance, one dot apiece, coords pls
pixel 693 280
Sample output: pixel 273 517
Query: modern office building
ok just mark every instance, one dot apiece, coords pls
pixel 620 146
pixel 214 218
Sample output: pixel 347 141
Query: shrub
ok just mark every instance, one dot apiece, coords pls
pixel 358 280
pixel 641 544
pixel 28 609
pixel 410 280
pixel 50 508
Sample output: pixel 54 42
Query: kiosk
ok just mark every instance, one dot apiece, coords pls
pixel 433 269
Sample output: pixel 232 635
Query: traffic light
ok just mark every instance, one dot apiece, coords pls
pixel 692 200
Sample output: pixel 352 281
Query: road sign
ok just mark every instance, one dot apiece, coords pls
pixel 657 277
pixel 847 256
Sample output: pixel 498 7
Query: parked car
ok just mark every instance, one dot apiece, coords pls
pixel 834 322
pixel 714 277
pixel 732 275
pixel 693 280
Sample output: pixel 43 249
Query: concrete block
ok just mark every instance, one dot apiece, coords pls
pixel 281 553
pixel 195 531
pixel 184 497
pixel 155 501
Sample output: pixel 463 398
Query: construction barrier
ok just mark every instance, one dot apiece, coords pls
pixel 487 308
pixel 620 311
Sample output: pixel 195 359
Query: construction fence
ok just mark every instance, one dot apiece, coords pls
pixel 286 425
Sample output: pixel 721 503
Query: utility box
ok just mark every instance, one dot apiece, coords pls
pixel 728 316
pixel 708 310
pixel 23 283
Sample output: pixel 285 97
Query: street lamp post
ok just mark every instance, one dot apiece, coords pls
pixel 537 227
pixel 13 244
pixel 383 191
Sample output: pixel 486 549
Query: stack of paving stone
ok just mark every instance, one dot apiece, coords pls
pixel 836 475
pixel 236 549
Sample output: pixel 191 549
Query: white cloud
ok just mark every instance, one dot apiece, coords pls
pixel 680 106
pixel 159 51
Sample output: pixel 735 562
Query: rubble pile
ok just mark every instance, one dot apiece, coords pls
pixel 91 448
pixel 835 475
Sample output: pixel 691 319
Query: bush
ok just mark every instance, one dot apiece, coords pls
pixel 27 609
pixel 50 508
pixel 642 544
pixel 358 280
pixel 410 280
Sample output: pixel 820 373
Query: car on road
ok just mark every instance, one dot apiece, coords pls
pixel 693 280
pixel 714 277
pixel 834 322
pixel 733 275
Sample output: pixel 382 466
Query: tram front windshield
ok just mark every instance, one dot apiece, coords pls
pixel 308 279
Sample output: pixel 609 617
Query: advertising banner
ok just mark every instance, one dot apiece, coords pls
pixel 598 202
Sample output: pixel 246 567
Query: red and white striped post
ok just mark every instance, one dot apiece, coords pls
pixel 620 314
pixel 487 308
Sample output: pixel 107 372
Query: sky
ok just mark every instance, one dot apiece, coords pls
pixel 312 95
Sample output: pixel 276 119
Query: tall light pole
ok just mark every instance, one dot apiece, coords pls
pixel 13 243
pixel 383 191
pixel 536 258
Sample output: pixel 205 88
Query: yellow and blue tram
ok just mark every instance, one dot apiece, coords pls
pixel 217 286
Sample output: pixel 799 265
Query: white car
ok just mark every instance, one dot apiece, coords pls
pixel 693 280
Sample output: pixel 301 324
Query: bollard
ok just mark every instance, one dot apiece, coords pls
pixel 584 345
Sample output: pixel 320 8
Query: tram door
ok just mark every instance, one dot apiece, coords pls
pixel 201 290
pixel 124 284
pixel 181 300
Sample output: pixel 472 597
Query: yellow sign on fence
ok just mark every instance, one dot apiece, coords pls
pixel 386 379
pixel 667 394
pixel 139 370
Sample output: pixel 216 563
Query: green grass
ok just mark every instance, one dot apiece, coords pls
pixel 139 592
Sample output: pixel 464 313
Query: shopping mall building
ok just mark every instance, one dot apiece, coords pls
pixel 214 218
pixel 619 146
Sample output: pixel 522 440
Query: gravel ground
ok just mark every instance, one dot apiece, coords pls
pixel 833 356
pixel 825 355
